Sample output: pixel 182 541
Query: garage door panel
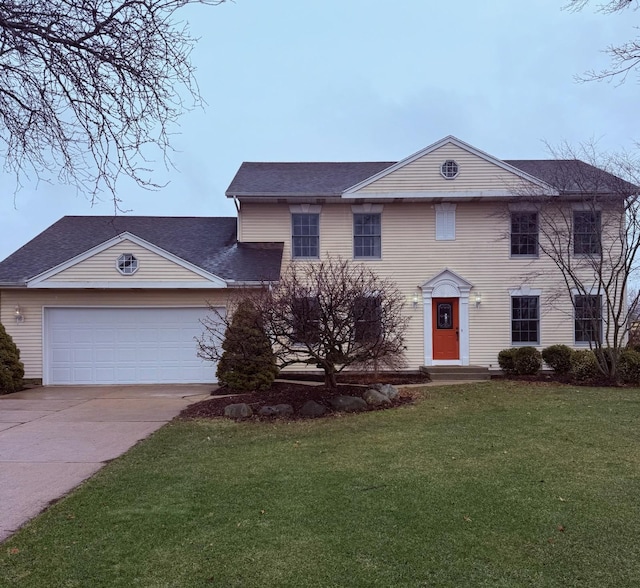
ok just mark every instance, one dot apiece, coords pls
pixel 121 346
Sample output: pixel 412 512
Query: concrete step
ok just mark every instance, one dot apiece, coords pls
pixel 444 373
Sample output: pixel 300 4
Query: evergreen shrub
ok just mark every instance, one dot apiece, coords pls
pixel 527 361
pixel 11 368
pixel 558 358
pixel 247 361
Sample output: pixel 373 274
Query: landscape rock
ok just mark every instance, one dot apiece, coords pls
pixel 238 411
pixel 348 403
pixel 312 409
pixel 276 411
pixel 375 398
pixel 388 390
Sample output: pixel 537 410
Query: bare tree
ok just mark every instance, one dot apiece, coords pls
pixel 625 57
pixel 590 228
pixel 90 88
pixel 332 314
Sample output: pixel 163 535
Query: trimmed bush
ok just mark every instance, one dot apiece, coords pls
pixel 506 361
pixel 629 367
pixel 247 361
pixel 11 368
pixel 527 361
pixel 558 358
pixel 584 367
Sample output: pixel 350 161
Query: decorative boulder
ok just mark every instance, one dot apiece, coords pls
pixel 348 403
pixel 312 409
pixel 276 411
pixel 238 411
pixel 374 398
pixel 388 390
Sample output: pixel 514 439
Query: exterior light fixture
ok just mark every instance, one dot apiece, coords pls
pixel 18 314
pixel 478 299
pixel 415 301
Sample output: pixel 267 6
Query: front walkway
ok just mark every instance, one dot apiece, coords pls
pixel 54 437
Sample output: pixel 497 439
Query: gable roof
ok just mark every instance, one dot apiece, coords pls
pixel 334 179
pixel 205 242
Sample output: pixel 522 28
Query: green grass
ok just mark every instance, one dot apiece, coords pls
pixel 496 484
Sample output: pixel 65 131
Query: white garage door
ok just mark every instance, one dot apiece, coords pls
pixel 124 346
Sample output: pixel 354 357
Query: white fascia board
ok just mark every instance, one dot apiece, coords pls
pixel 430 194
pixel 450 139
pixel 36 281
pixel 135 285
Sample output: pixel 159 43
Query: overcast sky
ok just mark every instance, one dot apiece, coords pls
pixel 365 80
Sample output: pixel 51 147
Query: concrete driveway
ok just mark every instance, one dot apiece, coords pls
pixel 52 438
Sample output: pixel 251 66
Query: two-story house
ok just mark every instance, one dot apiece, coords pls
pixel 119 299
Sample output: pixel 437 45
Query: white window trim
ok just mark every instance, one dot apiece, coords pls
pixel 442 169
pixel 444 211
pixel 593 291
pixel 523 208
pixel 304 209
pixel 526 290
pixel 365 209
pixel 121 258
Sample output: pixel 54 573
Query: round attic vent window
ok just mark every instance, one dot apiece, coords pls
pixel 449 169
pixel 127 264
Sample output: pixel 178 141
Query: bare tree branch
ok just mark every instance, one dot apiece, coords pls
pixel 332 314
pixel 604 260
pixel 89 89
pixel 625 57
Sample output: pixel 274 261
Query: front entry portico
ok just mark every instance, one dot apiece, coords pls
pixel 445 299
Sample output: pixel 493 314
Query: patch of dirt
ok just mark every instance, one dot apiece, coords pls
pixel 284 392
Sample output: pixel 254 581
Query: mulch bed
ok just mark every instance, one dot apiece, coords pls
pixel 283 392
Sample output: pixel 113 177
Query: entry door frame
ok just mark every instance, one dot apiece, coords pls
pixel 446 284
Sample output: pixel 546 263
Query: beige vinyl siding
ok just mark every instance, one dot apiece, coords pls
pixel 411 256
pixel 423 174
pixel 102 267
pixel 29 334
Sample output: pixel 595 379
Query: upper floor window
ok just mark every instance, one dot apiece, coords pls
pixel 445 222
pixel 524 233
pixel 525 319
pixel 367 236
pixel 588 317
pixel 305 230
pixel 586 232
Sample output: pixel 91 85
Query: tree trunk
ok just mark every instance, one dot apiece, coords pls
pixel 330 380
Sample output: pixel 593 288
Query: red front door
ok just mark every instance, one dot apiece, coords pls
pixel 446 332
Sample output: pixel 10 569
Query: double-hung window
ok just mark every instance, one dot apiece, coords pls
pixel 367 236
pixel 306 316
pixel 525 319
pixel 524 234
pixel 305 230
pixel 367 316
pixel 586 232
pixel 588 317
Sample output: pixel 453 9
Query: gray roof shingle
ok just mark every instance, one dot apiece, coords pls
pixel 301 179
pixel 206 242
pixel 331 179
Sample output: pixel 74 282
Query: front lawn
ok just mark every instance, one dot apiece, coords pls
pixel 494 484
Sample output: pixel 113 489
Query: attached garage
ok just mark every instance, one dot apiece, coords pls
pixel 124 346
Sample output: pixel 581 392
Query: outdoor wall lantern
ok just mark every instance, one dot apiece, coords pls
pixel 18 314
pixel 478 299
pixel 415 301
